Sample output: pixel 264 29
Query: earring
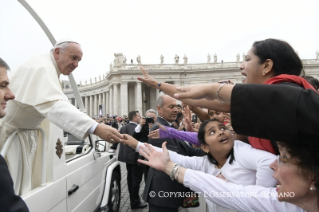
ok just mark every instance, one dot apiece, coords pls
pixel 264 74
pixel 312 189
pixel 207 151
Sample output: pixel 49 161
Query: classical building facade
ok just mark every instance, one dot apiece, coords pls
pixel 118 91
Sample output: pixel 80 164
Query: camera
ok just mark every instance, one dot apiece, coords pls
pixel 149 120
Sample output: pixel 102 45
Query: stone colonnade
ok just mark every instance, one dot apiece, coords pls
pixel 118 99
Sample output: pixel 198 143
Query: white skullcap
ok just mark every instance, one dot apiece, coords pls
pixel 69 40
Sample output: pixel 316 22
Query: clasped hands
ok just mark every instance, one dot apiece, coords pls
pixel 157 160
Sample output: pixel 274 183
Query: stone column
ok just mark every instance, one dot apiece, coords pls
pixel 124 99
pixel 107 100
pixel 104 104
pixel 111 101
pixel 86 102
pixel 100 103
pixel 138 98
pixel 91 106
pixel 115 99
pixel 94 105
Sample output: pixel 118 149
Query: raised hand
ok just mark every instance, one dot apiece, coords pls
pixel 150 81
pixel 156 160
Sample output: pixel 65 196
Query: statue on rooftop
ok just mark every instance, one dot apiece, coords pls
pixel 162 59
pixel 215 58
pixel 208 58
pixel 317 55
pixel 185 59
pixel 138 59
pixel 176 58
pixel 237 57
pixel 124 60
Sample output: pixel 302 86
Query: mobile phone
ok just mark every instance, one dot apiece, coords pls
pixel 194 118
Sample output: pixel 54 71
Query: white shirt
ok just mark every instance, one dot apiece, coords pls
pixel 250 167
pixel 254 198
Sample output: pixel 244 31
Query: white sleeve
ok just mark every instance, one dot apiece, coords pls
pixel 67 117
pixel 258 160
pixel 236 197
pixel 196 163
pixel 138 128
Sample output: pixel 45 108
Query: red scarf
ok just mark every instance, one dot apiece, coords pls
pixel 265 144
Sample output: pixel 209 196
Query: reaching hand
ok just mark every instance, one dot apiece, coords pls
pixel 157 160
pixel 195 92
pixel 129 140
pixel 154 134
pixel 150 81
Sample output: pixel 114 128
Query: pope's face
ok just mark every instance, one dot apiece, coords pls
pixel 5 92
pixel 68 58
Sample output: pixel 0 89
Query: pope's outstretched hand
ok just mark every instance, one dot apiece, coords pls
pixel 108 133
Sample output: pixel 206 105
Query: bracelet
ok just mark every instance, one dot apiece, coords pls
pixel 173 171
pixel 176 178
pixel 159 86
pixel 217 94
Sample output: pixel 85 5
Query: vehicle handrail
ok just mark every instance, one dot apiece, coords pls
pixel 7 144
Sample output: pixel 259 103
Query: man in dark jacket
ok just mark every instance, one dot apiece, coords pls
pixel 141 134
pixel 158 182
pixel 129 156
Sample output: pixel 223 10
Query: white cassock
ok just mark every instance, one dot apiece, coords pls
pixel 38 95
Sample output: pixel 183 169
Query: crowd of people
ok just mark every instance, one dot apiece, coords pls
pixel 244 147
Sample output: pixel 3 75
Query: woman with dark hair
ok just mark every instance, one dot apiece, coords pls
pixel 230 160
pixel 272 61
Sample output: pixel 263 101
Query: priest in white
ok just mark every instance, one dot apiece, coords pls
pixel 39 95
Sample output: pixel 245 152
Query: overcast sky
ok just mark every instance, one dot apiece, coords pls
pixel 150 28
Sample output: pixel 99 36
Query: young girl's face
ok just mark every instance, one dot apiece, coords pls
pixel 218 139
pixel 216 115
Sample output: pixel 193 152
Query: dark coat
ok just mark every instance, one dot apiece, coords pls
pixel 142 136
pixel 128 154
pixel 159 181
pixel 8 200
pixel 276 112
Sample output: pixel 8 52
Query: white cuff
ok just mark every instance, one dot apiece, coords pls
pixel 138 128
pixel 92 129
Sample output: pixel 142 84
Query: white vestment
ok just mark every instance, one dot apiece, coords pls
pixel 38 95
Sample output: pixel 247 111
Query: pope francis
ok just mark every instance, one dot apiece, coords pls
pixel 38 95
